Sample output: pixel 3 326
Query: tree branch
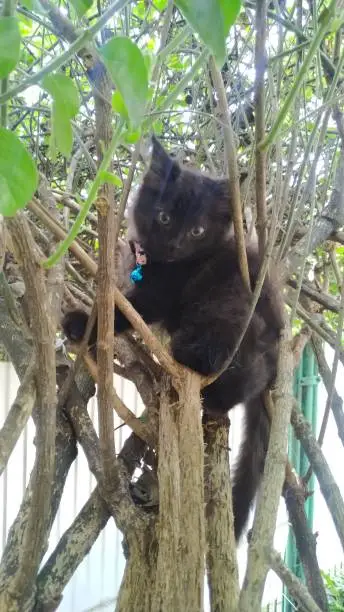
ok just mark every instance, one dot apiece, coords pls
pixel 328 486
pixel 295 586
pixel 38 510
pixel 325 373
pixel 222 570
pixel 274 471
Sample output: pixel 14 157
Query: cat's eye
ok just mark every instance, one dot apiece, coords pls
pixel 197 232
pixel 164 218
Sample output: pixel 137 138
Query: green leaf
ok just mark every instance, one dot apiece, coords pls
pixel 109 177
pixel 18 174
pixel 130 137
pixel 66 104
pixel 211 19
pixel 64 93
pixel 9 45
pixel 62 132
pixel 128 71
pixel 230 11
pixel 119 106
pixel 158 127
pixel 81 6
pixel 160 5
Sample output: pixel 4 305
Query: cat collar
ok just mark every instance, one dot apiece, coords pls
pixel 141 260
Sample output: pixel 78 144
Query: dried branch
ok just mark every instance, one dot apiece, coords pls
pixel 325 373
pixel 72 548
pixel 191 461
pixel 327 301
pixel 298 344
pixel 167 592
pixel 295 496
pixel 37 519
pixel 331 390
pixel 328 486
pixel 259 87
pixel 105 206
pixel 295 586
pixel 268 497
pixel 80 537
pixel 127 416
pixel 330 219
pixel 233 174
pixel 222 570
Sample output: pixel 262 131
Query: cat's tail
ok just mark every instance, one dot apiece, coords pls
pixel 249 467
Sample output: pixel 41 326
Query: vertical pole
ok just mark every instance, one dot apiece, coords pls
pixel 306 380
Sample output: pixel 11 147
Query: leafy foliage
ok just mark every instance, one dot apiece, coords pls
pixel 211 20
pixel 9 45
pixel 18 175
pixel 128 71
pixel 335 589
pixel 65 107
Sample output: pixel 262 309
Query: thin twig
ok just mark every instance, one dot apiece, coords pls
pixel 233 174
pixel 260 63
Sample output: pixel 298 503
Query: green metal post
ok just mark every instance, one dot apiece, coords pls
pixel 306 380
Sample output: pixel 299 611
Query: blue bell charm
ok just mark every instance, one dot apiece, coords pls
pixel 137 274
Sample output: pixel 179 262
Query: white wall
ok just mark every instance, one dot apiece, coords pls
pixel 97 579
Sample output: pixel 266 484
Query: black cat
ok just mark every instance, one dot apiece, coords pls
pixel 191 284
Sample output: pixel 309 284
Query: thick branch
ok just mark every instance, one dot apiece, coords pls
pixel 294 495
pixel 105 205
pixel 222 567
pixel 74 545
pixel 191 459
pixel 37 519
pixel 80 537
pixel 268 497
pixel 328 486
pixel 167 593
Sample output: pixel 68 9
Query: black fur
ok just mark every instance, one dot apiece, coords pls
pixel 193 287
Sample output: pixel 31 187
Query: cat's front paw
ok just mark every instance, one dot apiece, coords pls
pixel 201 356
pixel 74 325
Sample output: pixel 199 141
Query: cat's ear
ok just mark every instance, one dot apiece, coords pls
pixel 162 163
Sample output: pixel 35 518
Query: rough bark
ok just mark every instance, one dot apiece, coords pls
pixel 167 594
pixel 295 586
pixel 269 495
pixel 191 461
pixel 19 589
pixel 328 486
pixel 222 570
pixel 73 546
pixel 294 495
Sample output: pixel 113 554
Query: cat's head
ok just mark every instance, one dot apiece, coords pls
pixel 179 213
